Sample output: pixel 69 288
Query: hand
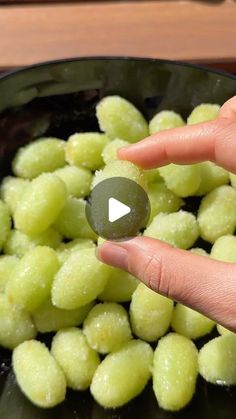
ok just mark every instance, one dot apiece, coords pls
pixel 206 285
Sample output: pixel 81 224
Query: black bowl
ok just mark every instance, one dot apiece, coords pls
pixel 59 98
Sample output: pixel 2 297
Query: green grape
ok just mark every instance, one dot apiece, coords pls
pixel 77 180
pixel 232 178
pixel 119 287
pixel 79 281
pixel 65 249
pixel 38 374
pixel 48 318
pixel 217 362
pixel 107 327
pixel 182 180
pixel 212 176
pixel 203 112
pixel 224 249
pixel 12 190
pixel 217 215
pixel 153 176
pixel 150 313
pixel 85 149
pixel 72 222
pixel 19 243
pixel 77 360
pixel 190 323
pixel 5 223
pixel 175 371
pixel 121 168
pixel 123 374
pixel 16 325
pixel 180 229
pixel 110 150
pixel 165 120
pixel 199 251
pixel 30 282
pixel 40 205
pixel 43 155
pixel 119 118
pixel 223 331
pixel 162 200
pixel 7 265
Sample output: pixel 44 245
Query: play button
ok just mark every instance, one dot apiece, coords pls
pixel 117 208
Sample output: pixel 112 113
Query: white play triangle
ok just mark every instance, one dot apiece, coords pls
pixel 116 209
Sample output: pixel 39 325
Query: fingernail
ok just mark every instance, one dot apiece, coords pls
pixel 113 254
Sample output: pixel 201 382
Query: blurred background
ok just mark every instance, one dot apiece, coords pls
pixel 196 31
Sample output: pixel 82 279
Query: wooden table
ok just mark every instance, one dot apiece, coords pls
pixel 195 31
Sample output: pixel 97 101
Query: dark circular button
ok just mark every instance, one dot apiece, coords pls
pixel 117 208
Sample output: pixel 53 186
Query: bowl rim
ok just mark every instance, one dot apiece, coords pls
pixel 10 73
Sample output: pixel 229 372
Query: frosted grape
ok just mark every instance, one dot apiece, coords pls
pixel 12 190
pixel 217 215
pixel 77 180
pixel 85 149
pixel 190 323
pixel 40 205
pixel 223 331
pixel 119 287
pixel 79 281
pixel 212 176
pixel 199 251
pixel 65 249
pixel 150 313
pixel 38 374
pixel 110 150
pixel 77 360
pixel 182 180
pixel 175 371
pixel 107 327
pixel 5 223
pixel 7 266
pixel 43 155
pixel 180 229
pixel 153 176
pixel 165 120
pixel 119 118
pixel 203 112
pixel 217 363
pixel 224 249
pixel 123 374
pixel 162 200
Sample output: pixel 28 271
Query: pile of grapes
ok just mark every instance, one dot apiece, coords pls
pixel 51 280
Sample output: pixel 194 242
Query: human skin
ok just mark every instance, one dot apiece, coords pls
pixel 204 284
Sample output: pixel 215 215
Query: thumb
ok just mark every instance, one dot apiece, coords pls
pixel 199 282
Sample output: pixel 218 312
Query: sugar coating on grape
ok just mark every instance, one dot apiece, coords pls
pixel 119 287
pixel 119 118
pixel 224 249
pixel 43 155
pixel 16 326
pixel 223 331
pixel 72 222
pixel 65 249
pixel 199 251
pixel 107 327
pixel 5 223
pixel 175 371
pixel 190 323
pixel 31 280
pixel 12 189
pixel 77 180
pixel 162 200
pixel 121 168
pixel 182 180
pixel 48 318
pixel 123 374
pixel 75 357
pixel 203 112
pixel 19 243
pixel 217 215
pixel 79 281
pixel 217 363
pixel 85 149
pixel 150 313
pixel 110 150
pixel 212 176
pixel 165 120
pixel 7 266
pixel 153 176
pixel 38 374
pixel 180 229
pixel 40 205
